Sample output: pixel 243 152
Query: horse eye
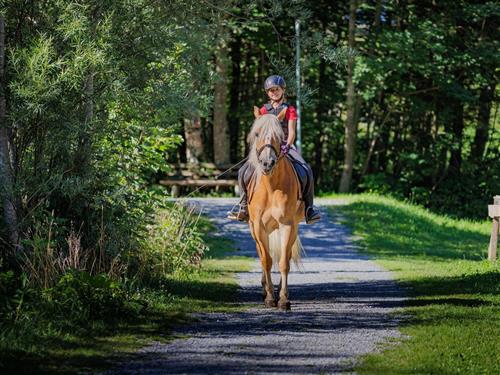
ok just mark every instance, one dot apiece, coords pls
pixel 256 134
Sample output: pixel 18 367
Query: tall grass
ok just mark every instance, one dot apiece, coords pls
pixel 45 260
pixel 71 290
pixel 174 242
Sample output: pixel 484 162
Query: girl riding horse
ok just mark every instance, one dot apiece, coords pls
pixel 275 89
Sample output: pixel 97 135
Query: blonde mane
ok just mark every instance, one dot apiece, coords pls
pixel 265 126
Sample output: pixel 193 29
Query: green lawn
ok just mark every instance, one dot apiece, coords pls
pixel 454 305
pixel 212 288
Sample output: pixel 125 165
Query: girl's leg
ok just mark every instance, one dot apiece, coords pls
pixel 244 176
pixel 311 214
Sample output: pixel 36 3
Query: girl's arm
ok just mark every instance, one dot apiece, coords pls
pixel 291 132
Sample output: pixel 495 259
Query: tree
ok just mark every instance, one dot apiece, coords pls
pixel 351 125
pixel 221 137
pixel 92 97
pixel 7 153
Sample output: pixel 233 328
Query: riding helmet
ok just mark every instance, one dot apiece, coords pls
pixel 274 81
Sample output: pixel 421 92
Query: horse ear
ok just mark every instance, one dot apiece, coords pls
pixel 256 112
pixel 282 114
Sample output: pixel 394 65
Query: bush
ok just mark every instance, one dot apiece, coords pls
pixel 464 195
pixel 174 244
pixel 80 298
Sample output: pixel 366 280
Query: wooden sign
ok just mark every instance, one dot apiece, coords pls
pixel 494 213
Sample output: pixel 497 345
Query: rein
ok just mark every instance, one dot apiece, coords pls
pixel 217 177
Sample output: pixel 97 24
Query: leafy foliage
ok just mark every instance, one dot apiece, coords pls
pixel 426 93
pixel 96 92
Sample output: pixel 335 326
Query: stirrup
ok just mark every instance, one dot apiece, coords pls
pixel 315 216
pixel 241 215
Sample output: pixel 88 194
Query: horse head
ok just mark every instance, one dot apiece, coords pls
pixel 265 138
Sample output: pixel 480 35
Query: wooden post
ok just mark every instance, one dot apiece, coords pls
pixel 494 213
pixel 176 191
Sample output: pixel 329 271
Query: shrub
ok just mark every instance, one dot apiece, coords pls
pixel 80 298
pixel 174 243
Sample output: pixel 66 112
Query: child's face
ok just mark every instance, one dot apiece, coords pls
pixel 275 93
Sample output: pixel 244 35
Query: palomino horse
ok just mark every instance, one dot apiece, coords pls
pixel 274 207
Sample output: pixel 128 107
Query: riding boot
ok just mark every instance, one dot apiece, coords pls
pixel 240 211
pixel 312 215
pixel 306 179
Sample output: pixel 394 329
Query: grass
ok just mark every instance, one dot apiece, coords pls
pixel 454 293
pixel 212 288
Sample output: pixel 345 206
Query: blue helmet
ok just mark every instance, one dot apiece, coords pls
pixel 274 81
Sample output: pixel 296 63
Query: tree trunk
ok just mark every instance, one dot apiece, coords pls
pixel 483 123
pixel 234 117
pixel 221 139
pixel 194 141
pixel 457 124
pixel 247 87
pixel 320 111
pixel 82 156
pixel 441 153
pixel 351 121
pixel 375 27
pixel 6 157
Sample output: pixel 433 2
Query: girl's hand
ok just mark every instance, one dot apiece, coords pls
pixel 285 148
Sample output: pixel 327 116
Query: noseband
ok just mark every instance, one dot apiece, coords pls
pixel 262 148
pixel 279 155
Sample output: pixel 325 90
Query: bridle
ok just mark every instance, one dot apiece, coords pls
pixel 279 155
pixel 263 147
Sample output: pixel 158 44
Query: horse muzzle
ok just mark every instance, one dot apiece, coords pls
pixel 268 166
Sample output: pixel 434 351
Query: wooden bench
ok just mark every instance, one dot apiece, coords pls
pixel 203 174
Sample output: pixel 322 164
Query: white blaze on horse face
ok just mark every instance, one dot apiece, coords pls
pixel 267 157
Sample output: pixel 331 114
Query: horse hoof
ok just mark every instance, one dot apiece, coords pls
pixel 270 303
pixel 284 306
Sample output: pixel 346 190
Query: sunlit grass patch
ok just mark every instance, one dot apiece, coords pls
pixel 454 304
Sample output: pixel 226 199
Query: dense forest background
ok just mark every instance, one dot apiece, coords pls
pixel 100 99
pixel 421 120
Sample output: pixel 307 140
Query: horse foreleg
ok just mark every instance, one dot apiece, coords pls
pixel 288 235
pixel 263 283
pixel 266 261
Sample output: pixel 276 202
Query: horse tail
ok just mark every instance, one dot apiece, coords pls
pixel 275 249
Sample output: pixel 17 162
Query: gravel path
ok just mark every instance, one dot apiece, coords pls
pixel 341 305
